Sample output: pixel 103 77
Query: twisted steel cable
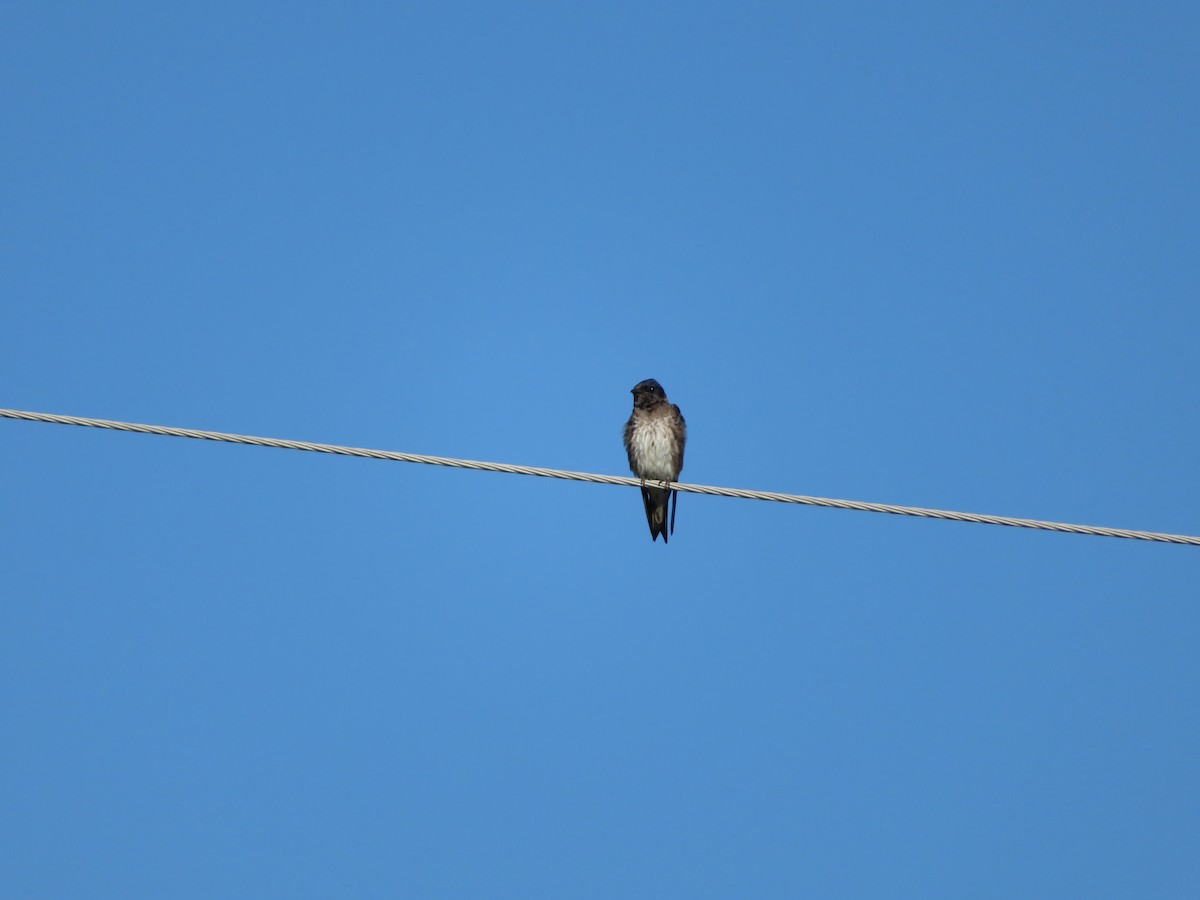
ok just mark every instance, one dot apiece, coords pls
pixel 603 479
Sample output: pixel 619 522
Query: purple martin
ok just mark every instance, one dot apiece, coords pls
pixel 654 439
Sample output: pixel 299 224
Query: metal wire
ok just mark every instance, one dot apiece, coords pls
pixel 603 479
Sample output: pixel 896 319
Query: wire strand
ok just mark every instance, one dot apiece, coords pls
pixel 603 479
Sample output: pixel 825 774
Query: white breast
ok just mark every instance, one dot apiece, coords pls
pixel 652 449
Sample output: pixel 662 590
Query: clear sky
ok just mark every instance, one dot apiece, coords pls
pixel 937 254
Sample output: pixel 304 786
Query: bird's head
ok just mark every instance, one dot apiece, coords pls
pixel 647 393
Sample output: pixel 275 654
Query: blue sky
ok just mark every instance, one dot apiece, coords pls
pixel 930 254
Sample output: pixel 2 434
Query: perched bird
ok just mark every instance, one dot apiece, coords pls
pixel 654 438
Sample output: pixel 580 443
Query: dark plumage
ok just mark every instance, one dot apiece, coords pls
pixel 655 436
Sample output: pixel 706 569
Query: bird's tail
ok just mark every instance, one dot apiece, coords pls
pixel 656 501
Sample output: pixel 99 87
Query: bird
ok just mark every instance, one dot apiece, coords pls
pixel 655 436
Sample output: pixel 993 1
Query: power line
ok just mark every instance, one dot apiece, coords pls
pixel 601 479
